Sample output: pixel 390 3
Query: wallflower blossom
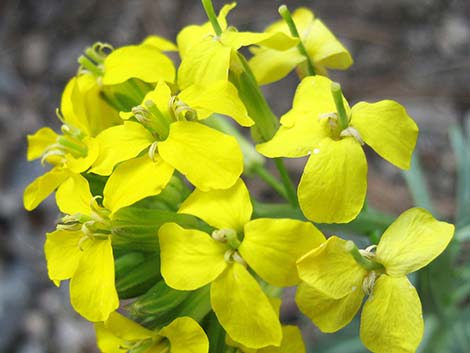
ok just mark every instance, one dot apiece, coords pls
pixel 336 277
pixel 191 259
pixel 70 153
pixel 169 128
pixel 323 48
pixel 118 334
pixel 81 247
pixel 334 182
pixel 207 56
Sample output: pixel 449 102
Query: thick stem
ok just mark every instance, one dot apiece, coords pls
pixel 209 8
pixel 338 98
pixel 269 179
pixel 291 192
pixel 286 15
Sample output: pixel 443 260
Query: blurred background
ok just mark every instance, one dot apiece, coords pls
pixel 414 51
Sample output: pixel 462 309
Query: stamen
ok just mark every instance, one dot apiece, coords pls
pixel 228 256
pixel 57 153
pixel 141 114
pixel 332 115
pixel 350 131
pixel 228 236
pixel 237 258
pixel 153 151
pixel 181 111
pixel 369 282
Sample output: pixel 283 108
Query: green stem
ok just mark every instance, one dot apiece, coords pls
pixel 361 260
pixel 288 185
pixel 209 8
pixel 338 98
pixel 266 122
pixel 286 15
pixel 269 179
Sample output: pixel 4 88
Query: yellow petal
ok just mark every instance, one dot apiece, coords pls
pixel 271 247
pixel 161 96
pixel 43 186
pixel 62 254
pixel 80 164
pixel 269 65
pixel 388 129
pixel 218 97
pixel 291 342
pixel 160 43
pixel 295 141
pixel 74 196
pixel 190 36
pixel 186 336
pixel 392 319
pixel 134 180
pixel 126 329
pixel 206 62
pixel 137 61
pixel 92 291
pixel 331 269
pixel 325 49
pixel 39 141
pixel 106 341
pixel 333 185
pixel 273 40
pixel 412 241
pixel 72 107
pixel 243 309
pixel 208 158
pixel 221 209
pixel 89 106
pixel 120 143
pixel 312 100
pixel 330 315
pixel 190 258
pixel 223 13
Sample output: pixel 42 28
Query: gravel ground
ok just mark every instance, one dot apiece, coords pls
pixel 414 51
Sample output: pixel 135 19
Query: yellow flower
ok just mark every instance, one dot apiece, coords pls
pixel 334 182
pixel 323 48
pixel 191 259
pixel 118 334
pixel 175 139
pixel 70 153
pixel 208 56
pixel 336 276
pixel 80 249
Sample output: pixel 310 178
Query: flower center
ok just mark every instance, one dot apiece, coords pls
pixel 69 143
pixel 97 225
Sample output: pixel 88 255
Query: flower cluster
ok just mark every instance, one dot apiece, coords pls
pixel 147 173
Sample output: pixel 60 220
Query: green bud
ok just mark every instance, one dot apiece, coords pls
pixel 134 281
pixel 160 298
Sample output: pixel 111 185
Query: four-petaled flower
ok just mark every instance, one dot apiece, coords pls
pixel 336 276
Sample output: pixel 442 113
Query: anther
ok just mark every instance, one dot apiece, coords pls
pixel 153 151
pixel 350 131
pixel 369 282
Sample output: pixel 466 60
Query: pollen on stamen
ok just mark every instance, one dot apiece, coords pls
pixel 316 151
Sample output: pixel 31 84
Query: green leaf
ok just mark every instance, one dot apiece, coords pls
pixel 418 185
pixel 461 147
